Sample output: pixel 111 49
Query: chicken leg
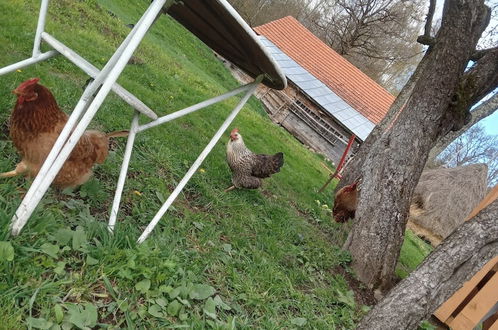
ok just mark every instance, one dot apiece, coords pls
pixel 20 169
pixel 229 189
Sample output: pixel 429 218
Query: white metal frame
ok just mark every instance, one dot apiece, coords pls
pixel 90 102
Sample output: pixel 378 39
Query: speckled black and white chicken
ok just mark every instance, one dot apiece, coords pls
pixel 248 168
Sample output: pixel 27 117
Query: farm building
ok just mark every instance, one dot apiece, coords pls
pixel 327 99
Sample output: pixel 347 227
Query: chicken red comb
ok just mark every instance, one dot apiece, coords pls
pixel 235 130
pixel 27 83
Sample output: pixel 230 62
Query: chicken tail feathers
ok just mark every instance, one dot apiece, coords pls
pixel 266 165
pixel 122 133
pixel 279 161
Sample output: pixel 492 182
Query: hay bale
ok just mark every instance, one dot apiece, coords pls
pixel 444 197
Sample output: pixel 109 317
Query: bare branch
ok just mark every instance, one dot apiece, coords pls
pixel 430 16
pixel 481 53
pixel 480 112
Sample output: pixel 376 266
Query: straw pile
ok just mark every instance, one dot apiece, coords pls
pixel 444 197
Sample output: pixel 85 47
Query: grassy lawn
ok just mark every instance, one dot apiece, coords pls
pixel 245 259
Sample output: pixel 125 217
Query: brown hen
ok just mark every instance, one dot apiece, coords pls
pixel 35 124
pixel 345 203
pixel 247 167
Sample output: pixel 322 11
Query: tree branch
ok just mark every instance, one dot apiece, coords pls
pixel 430 16
pixel 481 52
pixel 475 84
pixel 480 112
pixel 426 38
pixel 443 272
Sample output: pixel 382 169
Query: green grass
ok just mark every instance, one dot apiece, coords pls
pixel 245 259
pixel 413 252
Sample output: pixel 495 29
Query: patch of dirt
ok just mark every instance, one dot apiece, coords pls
pixel 363 295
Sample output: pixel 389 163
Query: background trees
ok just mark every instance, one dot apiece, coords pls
pixel 474 147
pixel 376 35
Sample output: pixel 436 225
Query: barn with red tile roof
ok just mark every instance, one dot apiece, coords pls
pixel 328 99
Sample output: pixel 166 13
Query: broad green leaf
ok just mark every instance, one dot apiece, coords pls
pixel 185 290
pixel 165 288
pixel 39 323
pixel 125 273
pixel 143 286
pixel 63 236
pixel 346 298
pixel 50 249
pixel 6 251
pixel 161 302
pixel 227 248
pixel 160 196
pixel 60 268
pixel 79 238
pixel 82 316
pixel 59 314
pixel 174 308
pixel 174 293
pixel 91 315
pixel 199 225
pixel 91 261
pixel 155 310
pixel 220 303
pixel 201 291
pixel 183 316
pixel 299 321
pixel 210 308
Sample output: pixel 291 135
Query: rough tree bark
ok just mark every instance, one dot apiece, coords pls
pixel 475 84
pixel 395 162
pixel 480 112
pixel 443 272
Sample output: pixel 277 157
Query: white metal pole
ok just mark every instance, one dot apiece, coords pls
pixel 198 161
pixel 28 61
pixel 93 72
pixel 81 107
pixel 109 74
pixel 40 27
pixel 193 108
pixel 122 174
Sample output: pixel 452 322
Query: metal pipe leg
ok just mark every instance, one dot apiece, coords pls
pixel 28 61
pixel 93 72
pixel 193 108
pixel 124 171
pixel 108 75
pixel 198 162
pixel 40 27
pixel 36 56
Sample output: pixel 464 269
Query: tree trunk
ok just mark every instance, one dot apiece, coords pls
pixel 353 171
pixel 395 162
pixel 482 111
pixel 442 273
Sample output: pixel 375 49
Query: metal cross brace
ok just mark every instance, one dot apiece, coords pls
pixel 90 102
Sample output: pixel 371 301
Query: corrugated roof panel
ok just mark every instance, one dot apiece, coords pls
pixel 315 92
pixel 309 85
pixel 297 78
pixel 323 95
pixel 295 70
pixel 285 64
